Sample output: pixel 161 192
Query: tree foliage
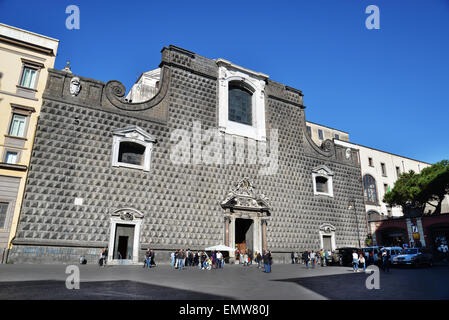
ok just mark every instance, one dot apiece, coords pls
pixel 417 190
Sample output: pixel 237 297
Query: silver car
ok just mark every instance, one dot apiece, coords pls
pixel 414 256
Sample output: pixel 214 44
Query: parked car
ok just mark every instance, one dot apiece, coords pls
pixel 414 257
pixel 393 251
pixel 343 256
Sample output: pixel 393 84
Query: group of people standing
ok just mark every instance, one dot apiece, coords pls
pixel 313 258
pixel 180 258
pixel 362 259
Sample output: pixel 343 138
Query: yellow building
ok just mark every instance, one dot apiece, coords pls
pixel 24 60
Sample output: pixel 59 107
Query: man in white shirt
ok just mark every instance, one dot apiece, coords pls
pixel 355 261
pixel 219 257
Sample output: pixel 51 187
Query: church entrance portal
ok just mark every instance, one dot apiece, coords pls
pixel 244 229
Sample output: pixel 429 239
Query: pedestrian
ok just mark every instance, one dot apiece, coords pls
pixel 355 261
pixel 153 261
pixel 326 257
pixel 267 261
pixel 172 259
pixel 292 256
pixel 245 258
pixel 219 258
pixel 305 257
pixel 181 259
pixel 176 258
pixel 148 258
pixel 386 260
pixel 196 259
pixel 362 262
pixel 101 259
pixel 258 260
pixel 312 259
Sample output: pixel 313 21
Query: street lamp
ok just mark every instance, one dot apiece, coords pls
pixel 351 205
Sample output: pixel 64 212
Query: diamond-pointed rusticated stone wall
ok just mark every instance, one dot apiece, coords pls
pixel 180 202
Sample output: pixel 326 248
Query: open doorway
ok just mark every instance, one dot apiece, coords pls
pixel 244 235
pixel 124 238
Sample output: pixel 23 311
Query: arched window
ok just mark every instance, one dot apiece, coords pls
pixel 240 104
pixel 131 152
pixel 369 189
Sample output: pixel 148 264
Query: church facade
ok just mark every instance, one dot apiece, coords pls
pixel 218 155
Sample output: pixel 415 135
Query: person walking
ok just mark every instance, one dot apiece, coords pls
pixel 267 261
pixel 292 256
pixel 312 259
pixel 355 261
pixel 172 259
pixel 323 260
pixel 305 257
pixel 386 260
pixel 148 258
pixel 362 262
pixel 259 260
pixel 181 259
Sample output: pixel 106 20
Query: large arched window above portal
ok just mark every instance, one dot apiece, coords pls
pixel 132 147
pixel 240 103
pixel 369 189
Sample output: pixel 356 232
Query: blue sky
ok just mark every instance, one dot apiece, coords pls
pixel 388 88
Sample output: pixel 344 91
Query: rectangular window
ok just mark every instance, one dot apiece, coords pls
pixel 28 77
pixel 337 136
pixel 320 134
pixel 384 170
pixel 385 187
pixel 11 157
pixel 370 162
pixel 398 171
pixel 3 211
pixel 17 128
pixel 309 131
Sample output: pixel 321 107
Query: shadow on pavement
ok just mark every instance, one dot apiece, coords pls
pixel 98 290
pixel 393 286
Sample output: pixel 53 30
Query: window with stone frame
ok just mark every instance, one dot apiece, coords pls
pixel 132 148
pixel 322 181
pixel 240 104
pixel 369 189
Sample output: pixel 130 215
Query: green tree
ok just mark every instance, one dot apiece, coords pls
pixel 417 190
pixel 405 192
pixel 434 184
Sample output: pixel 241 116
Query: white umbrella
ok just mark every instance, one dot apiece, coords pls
pixel 220 247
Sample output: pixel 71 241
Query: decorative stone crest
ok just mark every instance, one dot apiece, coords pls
pixel 244 197
pixel 126 216
pixel 75 86
pixel 327 228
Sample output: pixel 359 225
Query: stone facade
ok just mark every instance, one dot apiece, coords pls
pixel 175 205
